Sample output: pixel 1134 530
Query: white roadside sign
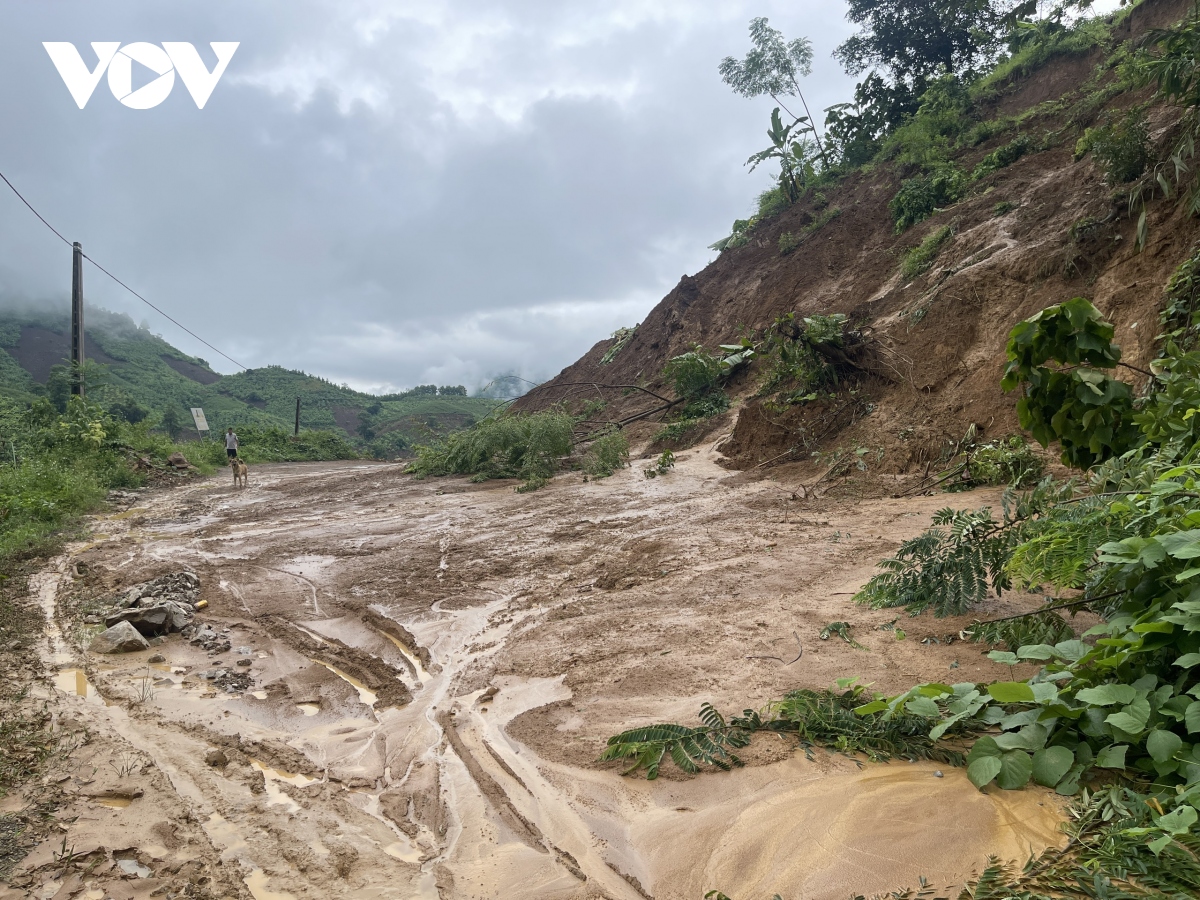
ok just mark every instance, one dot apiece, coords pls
pixel 198 417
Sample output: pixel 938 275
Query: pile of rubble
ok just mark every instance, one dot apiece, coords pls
pixel 153 608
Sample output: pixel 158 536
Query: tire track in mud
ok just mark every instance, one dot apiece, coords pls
pixel 473 611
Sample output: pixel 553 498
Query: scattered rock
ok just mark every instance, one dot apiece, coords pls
pixel 215 757
pixel 157 658
pixel 120 638
pixel 12 646
pixel 244 662
pixel 154 620
pixel 178 461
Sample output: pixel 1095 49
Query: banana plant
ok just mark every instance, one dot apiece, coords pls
pixel 791 149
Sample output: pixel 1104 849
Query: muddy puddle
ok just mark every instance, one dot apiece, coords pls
pixel 432 668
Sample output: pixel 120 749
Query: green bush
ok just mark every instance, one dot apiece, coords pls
pixel 1122 148
pixel 695 373
pixel 258 444
pixel 1010 461
pixel 921 257
pixel 1003 208
pixel 608 453
pixel 1003 156
pixel 513 445
pixel 919 197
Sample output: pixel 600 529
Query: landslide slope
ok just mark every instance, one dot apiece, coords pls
pixel 1042 230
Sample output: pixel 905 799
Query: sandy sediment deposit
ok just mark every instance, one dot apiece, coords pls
pixel 409 683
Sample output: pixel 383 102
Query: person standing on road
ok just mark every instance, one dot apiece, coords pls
pixel 231 443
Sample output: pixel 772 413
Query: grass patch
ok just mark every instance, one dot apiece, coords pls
pixel 789 241
pixel 919 259
pixel 920 197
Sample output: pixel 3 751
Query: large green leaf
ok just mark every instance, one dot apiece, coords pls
pixel 1107 694
pixel 1112 757
pixel 983 770
pixel 1051 764
pixel 1016 768
pixel 1011 692
pixel 1162 745
pixel 1191 717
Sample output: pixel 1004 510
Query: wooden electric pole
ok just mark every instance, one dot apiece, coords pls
pixel 77 350
pixel 297 417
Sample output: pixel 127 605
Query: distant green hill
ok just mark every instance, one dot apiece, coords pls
pixel 143 374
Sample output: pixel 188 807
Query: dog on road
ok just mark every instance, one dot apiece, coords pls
pixel 240 471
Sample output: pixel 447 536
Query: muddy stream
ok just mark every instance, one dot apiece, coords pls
pixel 421 674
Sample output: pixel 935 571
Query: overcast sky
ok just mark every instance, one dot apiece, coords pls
pixel 391 193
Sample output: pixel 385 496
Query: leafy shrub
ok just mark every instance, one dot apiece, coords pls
pixel 514 445
pixel 608 452
pixel 258 444
pixel 661 466
pixel 1002 157
pixel 695 373
pixel 1008 462
pixel 1089 413
pixel 919 197
pixel 921 257
pixel 788 241
pixel 927 139
pixel 1121 147
pixel 1003 208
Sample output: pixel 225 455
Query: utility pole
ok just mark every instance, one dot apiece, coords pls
pixel 297 433
pixel 77 351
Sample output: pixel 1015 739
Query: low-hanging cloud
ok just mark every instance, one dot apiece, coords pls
pixel 392 193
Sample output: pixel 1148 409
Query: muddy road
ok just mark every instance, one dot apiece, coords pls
pixel 410 682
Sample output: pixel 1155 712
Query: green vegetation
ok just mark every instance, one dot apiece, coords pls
pixel 921 257
pixel 1003 208
pixel 1121 147
pixel 55 467
pixel 661 466
pixel 816 718
pixel 1089 413
pixel 145 377
pixel 789 241
pixel 515 445
pixel 607 453
pixel 798 356
pixel 1003 156
pixel 620 338
pixel 921 196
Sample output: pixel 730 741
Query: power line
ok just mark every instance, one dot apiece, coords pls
pixel 34 211
pixel 119 281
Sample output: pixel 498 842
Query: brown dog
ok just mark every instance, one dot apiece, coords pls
pixel 240 471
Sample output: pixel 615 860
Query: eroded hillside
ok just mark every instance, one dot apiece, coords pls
pixel 1043 229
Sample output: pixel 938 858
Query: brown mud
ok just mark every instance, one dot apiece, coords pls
pixel 434 667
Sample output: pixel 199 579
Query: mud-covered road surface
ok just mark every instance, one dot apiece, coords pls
pixel 420 676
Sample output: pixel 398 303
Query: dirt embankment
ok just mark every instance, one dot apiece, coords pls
pixel 939 337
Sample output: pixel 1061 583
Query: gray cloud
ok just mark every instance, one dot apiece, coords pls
pixel 393 193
